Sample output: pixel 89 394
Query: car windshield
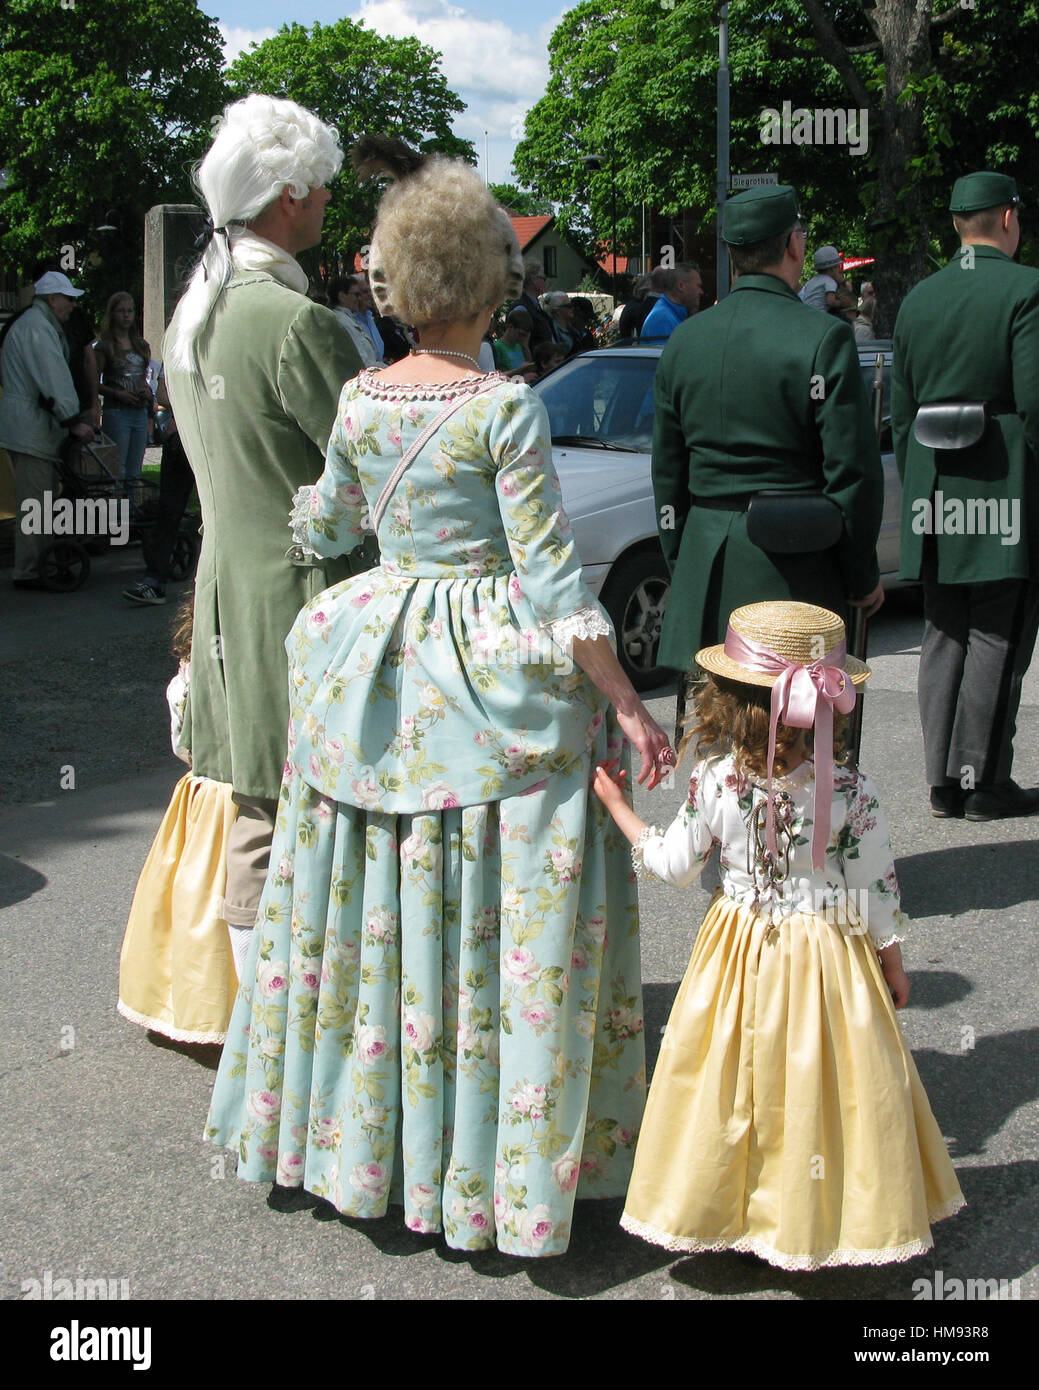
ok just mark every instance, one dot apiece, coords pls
pixel 608 399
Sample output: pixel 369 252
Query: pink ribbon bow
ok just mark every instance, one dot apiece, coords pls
pixel 804 697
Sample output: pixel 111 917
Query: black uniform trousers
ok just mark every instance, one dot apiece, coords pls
pixel 977 644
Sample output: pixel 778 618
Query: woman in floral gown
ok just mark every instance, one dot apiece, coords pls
pixel 442 1005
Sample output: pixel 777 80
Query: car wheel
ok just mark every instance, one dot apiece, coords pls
pixel 635 596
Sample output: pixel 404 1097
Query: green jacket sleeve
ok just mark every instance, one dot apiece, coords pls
pixel 903 405
pixel 670 465
pixel 852 472
pixel 1025 357
pixel 317 359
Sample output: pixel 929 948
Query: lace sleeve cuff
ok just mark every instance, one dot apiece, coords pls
pixel 586 623
pixel 638 862
pixel 892 939
pixel 299 519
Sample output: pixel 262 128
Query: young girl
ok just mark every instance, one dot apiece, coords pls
pixel 786 1117
pixel 122 360
pixel 176 973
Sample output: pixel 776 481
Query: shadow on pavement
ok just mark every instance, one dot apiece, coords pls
pixel 18 881
pixel 974 1092
pixel 969 878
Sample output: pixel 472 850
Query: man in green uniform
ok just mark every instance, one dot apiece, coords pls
pixel 761 393
pixel 965 416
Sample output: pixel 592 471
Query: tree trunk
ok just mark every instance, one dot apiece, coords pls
pixel 899 229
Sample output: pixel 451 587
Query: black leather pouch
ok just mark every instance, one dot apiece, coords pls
pixel 794 523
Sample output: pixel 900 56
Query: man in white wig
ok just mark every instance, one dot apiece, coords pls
pixel 254 370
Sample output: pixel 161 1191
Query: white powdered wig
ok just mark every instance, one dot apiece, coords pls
pixel 261 146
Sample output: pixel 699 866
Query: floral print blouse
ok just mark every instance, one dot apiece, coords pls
pixel 727 809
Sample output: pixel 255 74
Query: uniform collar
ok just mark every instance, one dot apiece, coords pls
pixel 771 284
pixel 986 253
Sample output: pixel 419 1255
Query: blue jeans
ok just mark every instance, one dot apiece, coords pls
pixel 127 427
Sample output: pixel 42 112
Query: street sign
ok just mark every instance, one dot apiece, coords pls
pixel 738 181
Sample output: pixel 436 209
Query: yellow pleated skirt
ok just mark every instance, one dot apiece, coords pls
pixel 176 972
pixel 786 1117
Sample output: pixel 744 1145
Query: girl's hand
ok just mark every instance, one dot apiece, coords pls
pixel 609 786
pixel 895 975
pixel 658 758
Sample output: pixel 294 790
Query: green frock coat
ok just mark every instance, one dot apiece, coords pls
pixel 255 422
pixel 970 332
pixel 759 392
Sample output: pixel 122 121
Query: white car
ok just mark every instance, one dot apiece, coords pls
pixel 600 406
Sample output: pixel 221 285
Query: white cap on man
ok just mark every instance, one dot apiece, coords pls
pixel 53 282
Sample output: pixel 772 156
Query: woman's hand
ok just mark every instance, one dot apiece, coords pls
pixel 650 741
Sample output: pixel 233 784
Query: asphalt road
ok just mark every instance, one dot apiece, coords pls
pixel 104 1171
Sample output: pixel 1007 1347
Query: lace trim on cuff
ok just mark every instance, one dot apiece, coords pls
pixel 638 862
pixel 892 940
pixel 585 624
pixel 299 519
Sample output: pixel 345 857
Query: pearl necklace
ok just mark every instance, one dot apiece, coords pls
pixel 444 352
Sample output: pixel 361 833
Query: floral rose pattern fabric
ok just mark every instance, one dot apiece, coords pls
pixel 442 1004
pixel 859 881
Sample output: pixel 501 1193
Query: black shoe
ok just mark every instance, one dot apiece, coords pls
pixel 999 800
pixel 144 592
pixel 29 584
pixel 946 801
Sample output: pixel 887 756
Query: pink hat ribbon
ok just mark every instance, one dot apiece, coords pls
pixel 803 697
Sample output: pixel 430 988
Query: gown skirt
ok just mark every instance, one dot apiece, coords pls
pixel 442 1010
pixel 176 972
pixel 786 1117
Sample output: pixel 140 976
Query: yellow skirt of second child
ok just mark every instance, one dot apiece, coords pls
pixel 176 972
pixel 786 1117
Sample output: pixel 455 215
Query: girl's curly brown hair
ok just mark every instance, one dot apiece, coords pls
pixel 183 624
pixel 730 717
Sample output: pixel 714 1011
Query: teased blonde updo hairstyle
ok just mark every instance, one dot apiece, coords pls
pixel 261 145
pixel 442 249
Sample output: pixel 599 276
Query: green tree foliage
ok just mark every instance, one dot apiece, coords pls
pixel 363 84
pixel 102 107
pixel 520 201
pixel 633 81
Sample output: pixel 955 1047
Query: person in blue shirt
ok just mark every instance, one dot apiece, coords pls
pixel 683 290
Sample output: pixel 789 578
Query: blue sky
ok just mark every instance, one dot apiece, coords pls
pixel 495 55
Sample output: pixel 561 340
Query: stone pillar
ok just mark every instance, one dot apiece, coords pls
pixel 170 230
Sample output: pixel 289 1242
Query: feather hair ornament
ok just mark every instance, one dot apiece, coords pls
pixel 385 154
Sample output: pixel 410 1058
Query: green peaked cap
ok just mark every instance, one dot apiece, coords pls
pixel 758 214
pixel 985 189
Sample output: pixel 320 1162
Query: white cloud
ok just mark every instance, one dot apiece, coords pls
pixel 481 57
pixel 237 40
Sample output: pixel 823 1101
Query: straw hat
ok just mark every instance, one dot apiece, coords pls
pixel 799 632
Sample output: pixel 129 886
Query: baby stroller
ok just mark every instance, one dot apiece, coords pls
pixel 94 504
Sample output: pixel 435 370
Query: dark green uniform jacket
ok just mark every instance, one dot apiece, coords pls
pixel 759 392
pixel 971 333
pixel 255 423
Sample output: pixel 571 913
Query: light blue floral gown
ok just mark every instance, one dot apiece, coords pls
pixel 442 1004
